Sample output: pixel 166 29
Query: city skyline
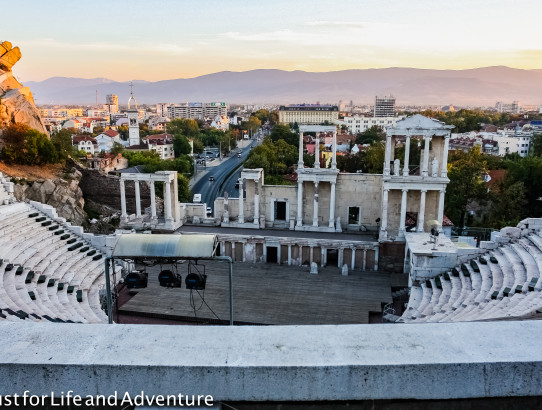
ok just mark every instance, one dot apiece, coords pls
pixel 130 40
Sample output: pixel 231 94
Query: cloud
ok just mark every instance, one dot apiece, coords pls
pixel 330 23
pixel 161 48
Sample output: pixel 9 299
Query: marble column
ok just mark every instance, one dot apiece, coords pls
pixel 444 164
pixel 256 203
pixel 265 253
pixel 241 217
pixel 299 203
pixel 124 215
pixel 421 214
pixel 353 262
pixel 223 248
pixel 332 206
pixel 425 166
pixel 233 251
pixel 167 198
pixel 340 257
pixel 334 150
pixel 153 201
pixel 403 213
pixel 289 255
pixel 376 259
pixel 364 259
pixel 322 256
pixel 300 162
pixel 387 156
pixel 300 255
pixel 440 215
pixel 406 169
pixel 137 199
pixel 384 218
pixel 279 253
pixel 311 254
pixel 315 214
pixel 243 251
pixel 317 152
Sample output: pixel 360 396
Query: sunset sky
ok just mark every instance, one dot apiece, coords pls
pixel 159 40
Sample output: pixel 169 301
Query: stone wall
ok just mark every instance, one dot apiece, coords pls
pixel 391 257
pixel 105 190
pixel 64 195
pixel 276 363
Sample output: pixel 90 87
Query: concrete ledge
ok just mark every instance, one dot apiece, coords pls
pixel 279 363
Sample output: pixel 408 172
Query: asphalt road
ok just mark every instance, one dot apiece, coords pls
pixel 211 190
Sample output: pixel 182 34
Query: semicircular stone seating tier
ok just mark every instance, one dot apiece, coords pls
pixel 502 283
pixel 47 273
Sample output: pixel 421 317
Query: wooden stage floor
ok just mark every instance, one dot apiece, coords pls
pixel 267 294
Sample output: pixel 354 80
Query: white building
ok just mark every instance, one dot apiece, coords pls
pixel 106 140
pixel 358 123
pixel 221 122
pixel 510 144
pixel 85 143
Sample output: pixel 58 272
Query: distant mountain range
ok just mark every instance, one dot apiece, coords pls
pixel 480 86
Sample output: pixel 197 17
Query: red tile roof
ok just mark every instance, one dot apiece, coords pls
pixel 111 133
pixel 79 138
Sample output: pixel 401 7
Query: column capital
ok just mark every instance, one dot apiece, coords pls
pixel 423 190
pixel 405 190
pixel 386 190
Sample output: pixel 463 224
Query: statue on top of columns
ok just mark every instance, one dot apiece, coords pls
pixel 434 168
pixel 396 167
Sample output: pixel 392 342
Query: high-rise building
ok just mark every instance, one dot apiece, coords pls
pixel 197 110
pixel 308 114
pixel 112 102
pixel 384 106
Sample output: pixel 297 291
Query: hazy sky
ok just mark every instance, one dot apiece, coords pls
pixel 164 39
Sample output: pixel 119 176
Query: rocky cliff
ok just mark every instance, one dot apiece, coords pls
pixel 16 102
pixel 64 194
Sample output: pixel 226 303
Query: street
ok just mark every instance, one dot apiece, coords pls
pixel 223 181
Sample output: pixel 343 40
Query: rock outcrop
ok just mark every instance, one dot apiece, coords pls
pixel 64 195
pixel 16 102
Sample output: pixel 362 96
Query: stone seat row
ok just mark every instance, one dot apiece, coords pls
pixel 503 283
pixel 46 273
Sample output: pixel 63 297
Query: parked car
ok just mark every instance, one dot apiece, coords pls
pixel 197 198
pixel 209 211
pixel 211 179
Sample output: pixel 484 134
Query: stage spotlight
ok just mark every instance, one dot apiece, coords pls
pixel 195 281
pixel 168 279
pixel 136 280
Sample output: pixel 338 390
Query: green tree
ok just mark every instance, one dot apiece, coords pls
pixel 529 171
pixel 507 205
pixel 282 132
pixel 117 149
pixel 374 158
pixel 253 124
pixel 62 140
pixel 466 172
pixel 181 145
pixel 375 133
pixel 536 146
pixel 183 126
pixel 184 191
pixel 350 163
